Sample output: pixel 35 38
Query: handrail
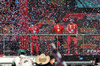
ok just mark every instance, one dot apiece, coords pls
pixel 50 34
pixel 78 62
pixel 68 62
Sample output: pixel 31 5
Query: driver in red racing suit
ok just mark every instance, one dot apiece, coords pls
pixel 72 29
pixel 34 29
pixel 58 29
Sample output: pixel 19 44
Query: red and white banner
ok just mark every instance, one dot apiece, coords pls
pixel 80 16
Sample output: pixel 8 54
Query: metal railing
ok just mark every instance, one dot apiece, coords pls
pixel 46 35
pixel 50 34
pixel 68 63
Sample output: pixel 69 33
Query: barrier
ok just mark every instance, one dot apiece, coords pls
pixel 82 42
pixel 7 61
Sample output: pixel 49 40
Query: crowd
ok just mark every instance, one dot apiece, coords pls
pixel 40 10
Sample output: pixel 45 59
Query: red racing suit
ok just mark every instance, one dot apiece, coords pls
pixel 58 29
pixel 34 38
pixel 72 29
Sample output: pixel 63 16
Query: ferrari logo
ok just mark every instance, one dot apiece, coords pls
pixel 58 29
pixel 70 26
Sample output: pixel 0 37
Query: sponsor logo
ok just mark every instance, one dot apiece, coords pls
pixel 47 38
pixel 87 29
pixel 47 21
pixel 89 46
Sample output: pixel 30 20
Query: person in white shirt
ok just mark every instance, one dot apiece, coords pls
pixel 22 60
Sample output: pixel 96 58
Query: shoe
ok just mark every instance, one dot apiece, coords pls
pixel 68 52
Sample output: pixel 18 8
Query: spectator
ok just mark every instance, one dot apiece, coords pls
pixel 42 60
pixel 20 60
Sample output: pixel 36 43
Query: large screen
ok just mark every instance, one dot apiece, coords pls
pixel 87 3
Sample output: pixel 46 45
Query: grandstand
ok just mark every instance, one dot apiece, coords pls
pixel 16 16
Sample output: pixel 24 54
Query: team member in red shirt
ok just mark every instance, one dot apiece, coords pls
pixel 72 29
pixel 58 29
pixel 34 29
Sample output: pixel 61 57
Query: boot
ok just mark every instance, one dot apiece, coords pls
pixel 68 51
pixel 76 52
